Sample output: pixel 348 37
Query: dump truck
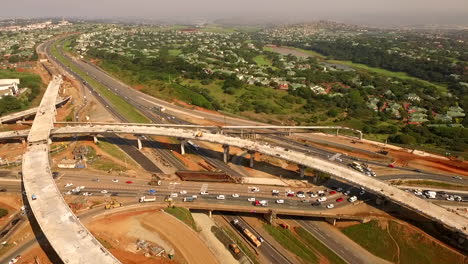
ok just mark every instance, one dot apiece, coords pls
pixel 112 204
pixel 145 199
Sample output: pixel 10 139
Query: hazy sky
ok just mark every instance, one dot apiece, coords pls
pixel 422 11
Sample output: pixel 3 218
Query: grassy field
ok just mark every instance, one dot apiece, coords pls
pixel 262 60
pixel 308 52
pixel 373 238
pixel 311 241
pixel 292 243
pixel 183 215
pixel 428 183
pixel 125 109
pixel 174 52
pixel 400 75
pixel 413 246
pixel 115 152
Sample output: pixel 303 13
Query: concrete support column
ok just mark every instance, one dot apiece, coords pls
pixel 337 131
pixel 252 158
pixel 226 153
pixel 95 139
pixel 210 214
pixel 140 145
pixel 360 135
pixel 23 141
pixel 331 221
pixel 301 171
pixel 49 140
pixel 182 146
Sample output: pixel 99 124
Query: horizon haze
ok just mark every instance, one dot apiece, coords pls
pixel 372 12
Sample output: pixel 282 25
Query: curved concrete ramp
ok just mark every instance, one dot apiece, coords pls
pixel 72 242
pixel 436 213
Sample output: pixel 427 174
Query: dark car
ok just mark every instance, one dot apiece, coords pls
pixel 316 203
pixel 3 190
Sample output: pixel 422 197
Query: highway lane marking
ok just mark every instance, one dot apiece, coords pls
pixel 172 109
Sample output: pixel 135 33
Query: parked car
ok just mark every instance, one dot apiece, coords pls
pixel 290 194
pixel 362 192
pixel 322 199
pixel 313 195
pixel 339 199
pixel 300 195
pixel 332 192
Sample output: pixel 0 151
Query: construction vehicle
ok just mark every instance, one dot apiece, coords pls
pixel 246 232
pixel 112 204
pixel 198 134
pixel 168 199
pixel 234 248
pixel 145 199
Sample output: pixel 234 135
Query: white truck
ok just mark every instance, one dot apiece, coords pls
pixel 145 199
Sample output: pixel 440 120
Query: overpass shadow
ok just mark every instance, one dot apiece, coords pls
pixel 40 237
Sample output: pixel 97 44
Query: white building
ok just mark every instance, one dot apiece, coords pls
pixel 9 87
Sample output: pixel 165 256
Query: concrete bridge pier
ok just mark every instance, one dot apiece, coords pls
pixel 252 158
pixel 95 139
pixel 226 153
pixel 140 145
pixel 337 131
pixel 182 146
pixel 210 215
pixel 331 221
pixel 270 217
pixel 23 141
pixel 301 171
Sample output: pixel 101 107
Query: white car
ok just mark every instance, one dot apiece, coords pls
pixel 252 199
pixel 280 201
pixel 450 198
pixel 68 184
pixel 235 195
pixel 255 189
pixel 418 193
pixel 174 195
pixel 104 191
pixel 313 195
pixel 300 195
pixel 220 197
pixel 322 199
pixel 321 192
pixel 330 206
pixel 204 193
pixel 81 187
pixel 87 194
pixel 115 180
pixel 183 192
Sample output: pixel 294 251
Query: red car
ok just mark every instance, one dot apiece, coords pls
pixel 129 182
pixel 391 165
pixel 332 192
pixel 339 199
pixel 290 195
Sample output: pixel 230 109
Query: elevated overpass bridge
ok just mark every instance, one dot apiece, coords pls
pixel 448 219
pixel 72 242
pixel 28 113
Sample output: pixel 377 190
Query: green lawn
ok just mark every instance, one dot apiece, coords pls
pixel 292 243
pixel 311 241
pixel 174 52
pixel 183 215
pixel 124 108
pixel 262 60
pixel 115 152
pixel 308 52
pixel 373 238
pixel 414 246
